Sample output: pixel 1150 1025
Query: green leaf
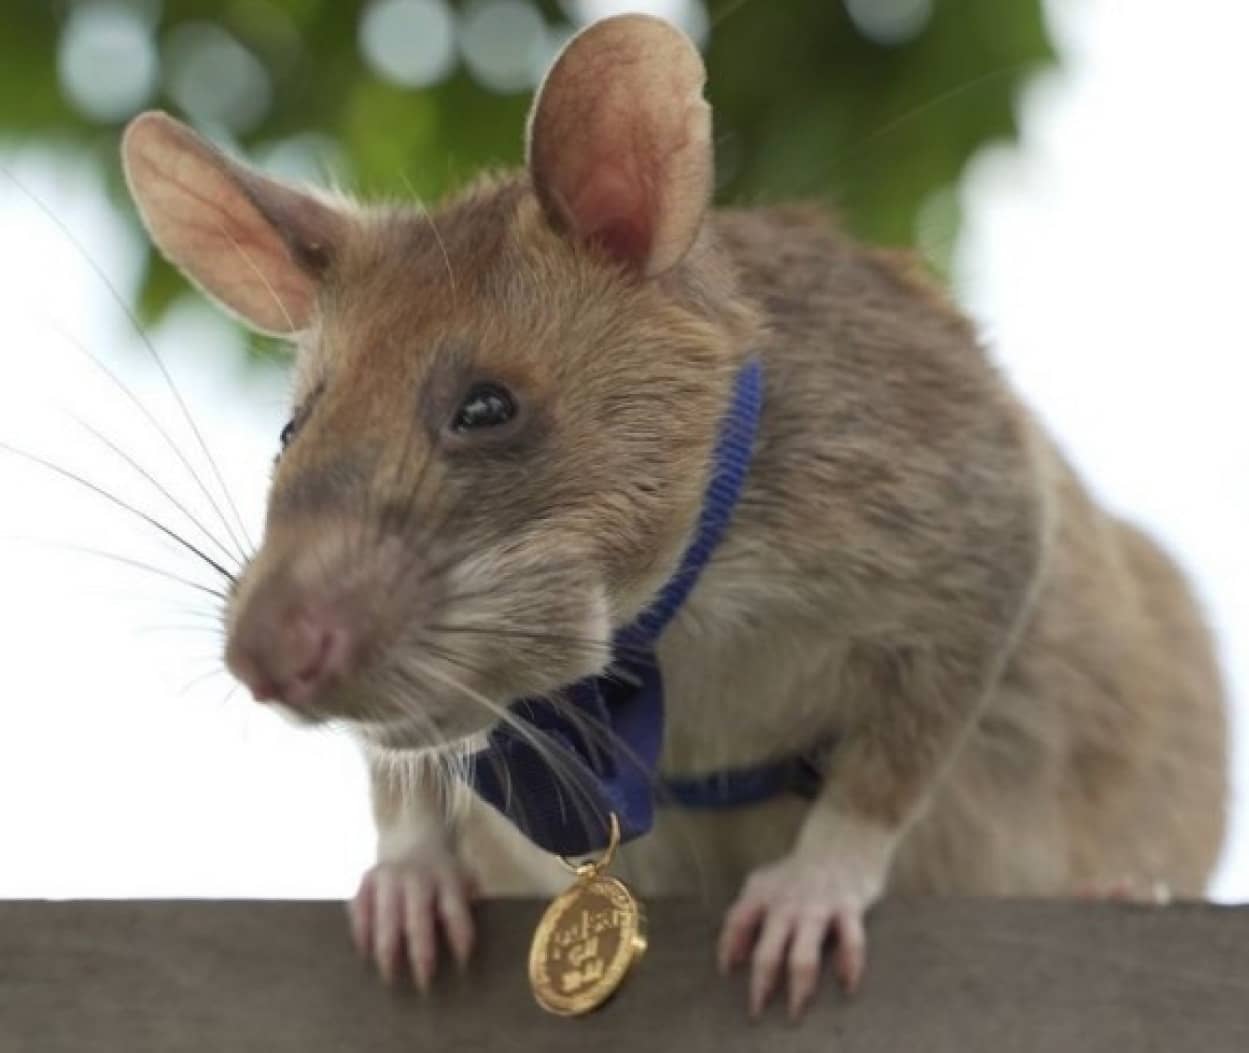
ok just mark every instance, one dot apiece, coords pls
pixel 805 104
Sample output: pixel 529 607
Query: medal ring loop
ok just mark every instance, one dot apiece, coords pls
pixel 596 866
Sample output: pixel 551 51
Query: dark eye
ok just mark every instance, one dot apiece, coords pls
pixel 485 406
pixel 288 432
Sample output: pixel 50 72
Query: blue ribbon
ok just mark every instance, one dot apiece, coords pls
pixel 607 731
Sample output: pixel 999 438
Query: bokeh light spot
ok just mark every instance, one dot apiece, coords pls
pixel 504 43
pixel 215 79
pixel 107 61
pixel 410 42
pixel 690 15
pixel 312 158
pixel 889 22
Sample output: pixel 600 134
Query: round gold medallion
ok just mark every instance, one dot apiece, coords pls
pixel 585 944
pixel 587 940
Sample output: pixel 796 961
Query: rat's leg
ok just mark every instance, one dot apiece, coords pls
pixel 418 885
pixel 909 711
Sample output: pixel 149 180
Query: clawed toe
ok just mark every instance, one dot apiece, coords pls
pixel 783 922
pixel 402 912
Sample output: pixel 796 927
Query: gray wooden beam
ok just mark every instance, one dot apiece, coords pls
pixel 953 975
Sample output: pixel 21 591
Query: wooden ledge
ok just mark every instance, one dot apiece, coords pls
pixel 944 975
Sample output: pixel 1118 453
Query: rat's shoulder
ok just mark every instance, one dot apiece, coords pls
pixel 792 231
pixel 798 259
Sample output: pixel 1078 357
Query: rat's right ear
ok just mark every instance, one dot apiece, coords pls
pixel 620 142
pixel 258 247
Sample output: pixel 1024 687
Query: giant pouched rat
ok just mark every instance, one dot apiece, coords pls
pixel 502 432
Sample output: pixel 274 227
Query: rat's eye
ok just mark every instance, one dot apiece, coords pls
pixel 298 415
pixel 485 406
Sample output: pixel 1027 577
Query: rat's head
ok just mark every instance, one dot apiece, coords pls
pixel 504 408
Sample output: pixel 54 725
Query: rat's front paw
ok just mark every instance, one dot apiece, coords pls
pixel 787 912
pixel 402 904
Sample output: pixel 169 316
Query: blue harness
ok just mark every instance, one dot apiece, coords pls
pixel 607 730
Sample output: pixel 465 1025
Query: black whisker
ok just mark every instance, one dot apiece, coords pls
pixel 114 499
pixel 139 564
pixel 139 330
pixel 152 419
pixel 160 488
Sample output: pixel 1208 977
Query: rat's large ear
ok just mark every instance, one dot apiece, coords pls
pixel 255 245
pixel 620 141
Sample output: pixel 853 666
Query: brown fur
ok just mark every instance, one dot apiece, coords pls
pixel 1014 675
pixel 1023 696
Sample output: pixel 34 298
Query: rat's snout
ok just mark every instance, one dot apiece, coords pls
pixel 290 655
pixel 298 622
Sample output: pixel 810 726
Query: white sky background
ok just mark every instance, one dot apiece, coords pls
pixel 1104 260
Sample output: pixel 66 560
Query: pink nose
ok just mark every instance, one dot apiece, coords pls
pixel 292 660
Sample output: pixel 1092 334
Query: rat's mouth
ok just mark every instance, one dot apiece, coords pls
pixel 300 717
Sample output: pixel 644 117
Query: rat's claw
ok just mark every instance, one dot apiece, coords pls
pixel 766 965
pixel 421 930
pixel 399 909
pixel 797 941
pixel 805 952
pixel 851 951
pixel 387 928
pixel 360 914
pixel 1127 890
pixel 788 911
pixel 457 920
pixel 740 925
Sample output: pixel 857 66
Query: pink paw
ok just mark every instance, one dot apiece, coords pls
pixel 1127 890
pixel 787 912
pixel 401 906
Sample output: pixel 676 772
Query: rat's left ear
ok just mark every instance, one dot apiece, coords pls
pixel 620 142
pixel 257 246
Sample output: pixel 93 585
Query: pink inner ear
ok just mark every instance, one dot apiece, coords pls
pixel 250 242
pixel 613 211
pixel 620 142
pixel 209 227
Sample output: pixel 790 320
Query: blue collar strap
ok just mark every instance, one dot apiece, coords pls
pixel 559 769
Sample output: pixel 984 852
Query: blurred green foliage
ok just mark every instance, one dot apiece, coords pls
pixel 806 103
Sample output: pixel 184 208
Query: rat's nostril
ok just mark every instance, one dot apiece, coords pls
pixel 316 651
pixel 263 688
pixel 325 654
pixel 291 660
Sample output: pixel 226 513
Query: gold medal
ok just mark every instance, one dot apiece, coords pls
pixel 588 939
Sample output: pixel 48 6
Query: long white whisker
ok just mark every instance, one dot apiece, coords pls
pixel 150 417
pixel 545 749
pixel 112 498
pixel 156 484
pixel 429 217
pixel 142 334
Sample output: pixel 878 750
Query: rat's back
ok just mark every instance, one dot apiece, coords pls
pixel 1100 755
